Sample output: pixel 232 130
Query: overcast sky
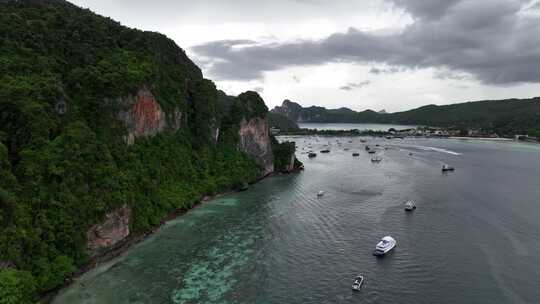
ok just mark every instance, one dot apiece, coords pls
pixel 363 54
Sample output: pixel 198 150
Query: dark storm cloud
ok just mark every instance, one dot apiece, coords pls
pixel 489 39
pixel 425 8
pixel 355 85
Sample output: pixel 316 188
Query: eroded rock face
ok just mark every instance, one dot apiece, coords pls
pixel 255 141
pixel 113 229
pixel 290 165
pixel 144 116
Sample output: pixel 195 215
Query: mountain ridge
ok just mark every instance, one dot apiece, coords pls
pixel 507 116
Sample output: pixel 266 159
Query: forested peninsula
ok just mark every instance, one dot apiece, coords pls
pixel 105 130
pixel 507 117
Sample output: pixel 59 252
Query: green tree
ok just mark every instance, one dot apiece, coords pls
pixel 16 287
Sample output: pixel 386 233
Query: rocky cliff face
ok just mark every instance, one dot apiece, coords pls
pixel 290 109
pixel 290 165
pixel 144 116
pixel 255 141
pixel 113 229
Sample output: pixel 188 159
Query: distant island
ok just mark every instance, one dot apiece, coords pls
pixel 489 118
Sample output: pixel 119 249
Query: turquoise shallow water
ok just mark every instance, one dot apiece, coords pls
pixel 475 237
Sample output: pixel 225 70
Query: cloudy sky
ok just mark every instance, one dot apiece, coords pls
pixel 363 54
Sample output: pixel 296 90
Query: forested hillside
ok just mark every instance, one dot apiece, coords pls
pixel 282 122
pixel 97 117
pixel 505 117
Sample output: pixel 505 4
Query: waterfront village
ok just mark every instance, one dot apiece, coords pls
pixel 421 131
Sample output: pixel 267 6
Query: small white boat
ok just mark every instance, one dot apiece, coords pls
pixel 446 168
pixel 320 193
pixel 358 281
pixel 376 159
pixel 410 206
pixel 386 244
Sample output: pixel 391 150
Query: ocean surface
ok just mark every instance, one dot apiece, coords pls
pixel 350 126
pixel 474 238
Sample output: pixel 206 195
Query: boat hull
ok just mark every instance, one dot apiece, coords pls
pixel 383 251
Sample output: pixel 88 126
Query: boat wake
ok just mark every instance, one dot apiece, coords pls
pixel 437 150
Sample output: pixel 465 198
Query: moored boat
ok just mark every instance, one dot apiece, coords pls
pixel 446 168
pixel 376 159
pixel 410 206
pixel 357 284
pixel 386 244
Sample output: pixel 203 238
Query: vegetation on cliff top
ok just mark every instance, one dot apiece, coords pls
pixel 64 162
pixel 282 156
pixel 282 122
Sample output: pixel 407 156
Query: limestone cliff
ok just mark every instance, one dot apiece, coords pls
pixel 113 229
pixel 255 141
pixel 254 136
pixel 291 165
pixel 143 116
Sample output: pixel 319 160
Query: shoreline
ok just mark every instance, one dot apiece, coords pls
pixel 130 241
pixel 347 133
pixel 483 138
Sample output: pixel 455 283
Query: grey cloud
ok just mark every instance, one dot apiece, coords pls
pixel 391 70
pixel 426 8
pixel 485 38
pixel 355 85
pixel 445 74
pixel 258 89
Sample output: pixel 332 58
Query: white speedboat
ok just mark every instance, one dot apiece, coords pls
pixel 410 206
pixel 320 193
pixel 446 168
pixel 358 281
pixel 386 244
